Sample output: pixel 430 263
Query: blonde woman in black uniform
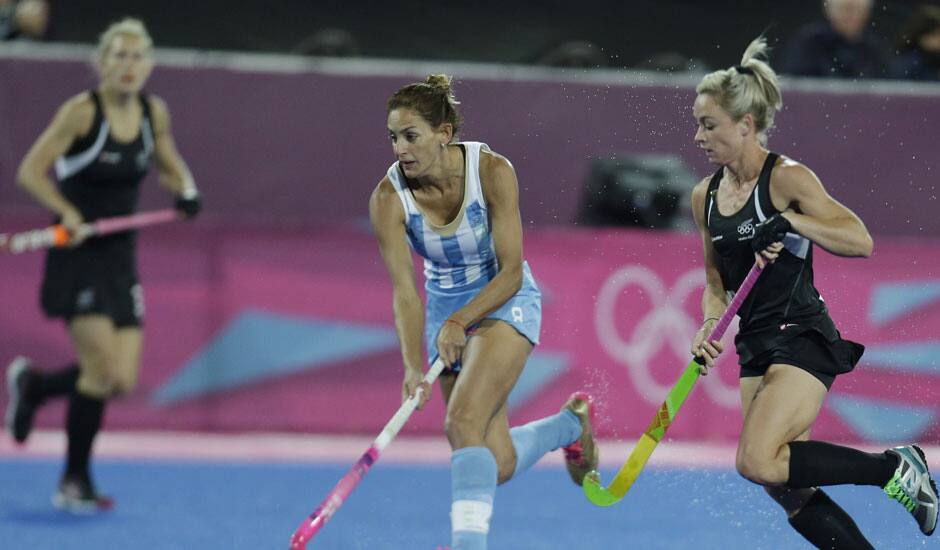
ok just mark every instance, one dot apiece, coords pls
pixel 102 143
pixel 761 206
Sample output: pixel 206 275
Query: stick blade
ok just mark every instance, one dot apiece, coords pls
pixel 624 479
pixel 596 493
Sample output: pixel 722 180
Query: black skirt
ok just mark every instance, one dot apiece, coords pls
pixel 812 344
pixel 98 277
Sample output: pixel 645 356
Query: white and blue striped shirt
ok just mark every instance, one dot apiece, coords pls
pixel 460 254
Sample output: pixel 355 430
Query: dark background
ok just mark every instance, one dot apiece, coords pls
pixel 628 33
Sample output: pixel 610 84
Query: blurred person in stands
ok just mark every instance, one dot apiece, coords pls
pixel 456 204
pixel 23 19
pixel 101 142
pixel 760 206
pixel 329 42
pixel 919 46
pixel 842 46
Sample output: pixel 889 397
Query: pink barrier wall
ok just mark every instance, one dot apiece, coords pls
pixel 286 330
pixel 309 146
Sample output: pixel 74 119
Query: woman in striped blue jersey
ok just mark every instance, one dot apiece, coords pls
pixel 456 204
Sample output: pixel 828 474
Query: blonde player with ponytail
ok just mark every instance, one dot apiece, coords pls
pixel 101 143
pixel 763 206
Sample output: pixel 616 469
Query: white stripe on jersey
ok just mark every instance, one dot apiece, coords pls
pixel 798 245
pixel 68 166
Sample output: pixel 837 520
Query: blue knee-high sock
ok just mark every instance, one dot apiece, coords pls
pixel 541 436
pixel 473 483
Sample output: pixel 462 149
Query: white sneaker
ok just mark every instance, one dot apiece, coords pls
pixel 912 486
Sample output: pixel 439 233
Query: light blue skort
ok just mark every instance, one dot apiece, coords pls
pixel 523 311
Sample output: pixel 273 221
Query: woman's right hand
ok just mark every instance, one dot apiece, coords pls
pixel 74 223
pixel 708 351
pixel 414 379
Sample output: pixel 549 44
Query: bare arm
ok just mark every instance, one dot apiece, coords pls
pixel 72 120
pixel 388 220
pixel 816 215
pixel 172 169
pixel 714 297
pixel 501 191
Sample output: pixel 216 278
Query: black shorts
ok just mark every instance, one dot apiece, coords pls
pixel 98 277
pixel 811 351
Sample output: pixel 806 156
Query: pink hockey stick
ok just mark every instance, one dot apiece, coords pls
pixel 107 226
pixel 57 236
pixel 341 490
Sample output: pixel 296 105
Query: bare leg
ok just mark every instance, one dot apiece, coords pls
pixel 477 429
pixel 809 510
pixel 476 403
pixel 792 500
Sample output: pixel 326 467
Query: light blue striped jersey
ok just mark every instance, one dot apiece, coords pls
pixel 460 254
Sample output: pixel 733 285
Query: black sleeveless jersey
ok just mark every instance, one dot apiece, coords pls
pixel 784 293
pixel 100 175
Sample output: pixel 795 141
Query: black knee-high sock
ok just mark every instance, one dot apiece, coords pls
pixel 816 464
pixel 51 384
pixel 84 420
pixel 822 522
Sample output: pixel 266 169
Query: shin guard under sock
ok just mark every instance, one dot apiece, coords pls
pixel 84 420
pixel 826 525
pixel 816 464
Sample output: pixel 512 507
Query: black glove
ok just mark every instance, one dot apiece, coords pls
pixel 770 231
pixel 190 207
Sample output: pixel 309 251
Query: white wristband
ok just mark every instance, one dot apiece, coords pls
pixel 189 192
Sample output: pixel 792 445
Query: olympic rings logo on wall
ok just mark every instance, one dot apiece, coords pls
pixel 665 324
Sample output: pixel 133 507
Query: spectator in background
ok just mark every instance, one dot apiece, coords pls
pixel 329 43
pixel 841 46
pixel 919 46
pixel 673 63
pixel 577 54
pixel 23 19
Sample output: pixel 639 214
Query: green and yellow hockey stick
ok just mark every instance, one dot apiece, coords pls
pixel 613 493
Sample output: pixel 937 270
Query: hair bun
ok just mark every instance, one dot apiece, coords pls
pixel 438 81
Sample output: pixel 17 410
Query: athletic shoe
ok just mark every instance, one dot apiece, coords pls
pixel 912 486
pixel 78 496
pixel 581 456
pixel 21 408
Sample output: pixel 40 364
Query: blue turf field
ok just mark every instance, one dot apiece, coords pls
pixel 178 505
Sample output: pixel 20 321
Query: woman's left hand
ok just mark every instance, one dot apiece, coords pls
pixel 451 341
pixel 188 206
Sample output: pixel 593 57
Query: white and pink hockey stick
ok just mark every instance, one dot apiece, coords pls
pixel 56 236
pixel 313 523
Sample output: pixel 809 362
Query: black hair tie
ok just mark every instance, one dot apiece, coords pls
pixel 744 70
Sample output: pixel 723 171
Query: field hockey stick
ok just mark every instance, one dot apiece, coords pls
pixel 57 236
pixel 313 523
pixel 607 496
